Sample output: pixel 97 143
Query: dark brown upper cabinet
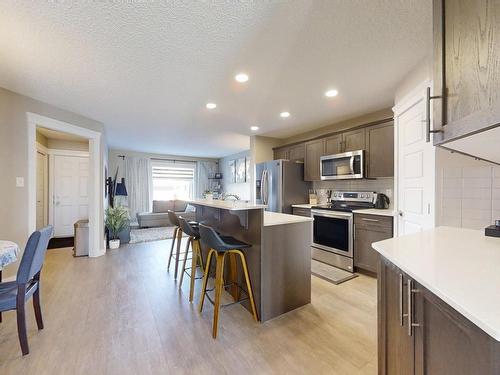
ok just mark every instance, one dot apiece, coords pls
pixel 294 153
pixel 313 152
pixel 354 140
pixel 379 150
pixel 466 92
pixel 333 144
pixel 281 153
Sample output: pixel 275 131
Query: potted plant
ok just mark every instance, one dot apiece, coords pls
pixel 116 220
pixel 208 195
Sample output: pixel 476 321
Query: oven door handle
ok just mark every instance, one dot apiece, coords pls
pixel 335 215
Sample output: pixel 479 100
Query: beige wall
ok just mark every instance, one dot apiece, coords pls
pixel 14 160
pixel 242 189
pixel 420 73
pixel 261 148
pixel 60 144
pixel 342 125
pixel 40 138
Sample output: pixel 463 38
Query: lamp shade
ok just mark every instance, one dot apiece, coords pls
pixel 121 189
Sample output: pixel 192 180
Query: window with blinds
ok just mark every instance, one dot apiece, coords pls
pixel 173 180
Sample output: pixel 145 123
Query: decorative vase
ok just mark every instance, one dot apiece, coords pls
pixel 114 244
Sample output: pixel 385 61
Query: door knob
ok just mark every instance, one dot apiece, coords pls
pixel 400 213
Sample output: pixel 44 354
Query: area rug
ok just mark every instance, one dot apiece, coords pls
pixel 329 273
pixel 151 234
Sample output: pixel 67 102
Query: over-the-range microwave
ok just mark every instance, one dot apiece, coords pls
pixel 348 165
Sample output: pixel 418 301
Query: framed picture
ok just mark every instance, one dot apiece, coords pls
pixel 247 169
pixel 232 170
pixel 240 170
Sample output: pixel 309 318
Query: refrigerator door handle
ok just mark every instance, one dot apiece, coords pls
pixel 264 186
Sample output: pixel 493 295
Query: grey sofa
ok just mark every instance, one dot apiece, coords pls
pixel 159 216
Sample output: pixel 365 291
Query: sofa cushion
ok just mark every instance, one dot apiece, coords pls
pixel 163 206
pixel 180 206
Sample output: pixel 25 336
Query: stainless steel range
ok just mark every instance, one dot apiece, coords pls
pixel 333 232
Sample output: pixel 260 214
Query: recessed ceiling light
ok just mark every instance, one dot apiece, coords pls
pixel 285 114
pixel 254 128
pixel 241 77
pixel 211 106
pixel 331 93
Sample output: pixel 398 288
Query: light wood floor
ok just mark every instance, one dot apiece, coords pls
pixel 123 314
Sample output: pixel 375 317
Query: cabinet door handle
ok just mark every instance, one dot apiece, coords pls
pixel 354 231
pixel 428 115
pixel 411 291
pixel 373 220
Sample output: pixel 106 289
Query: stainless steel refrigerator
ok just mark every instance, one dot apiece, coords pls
pixel 279 184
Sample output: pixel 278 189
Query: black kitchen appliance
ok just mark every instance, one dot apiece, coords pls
pixel 382 201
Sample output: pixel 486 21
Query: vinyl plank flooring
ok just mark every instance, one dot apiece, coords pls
pixel 124 314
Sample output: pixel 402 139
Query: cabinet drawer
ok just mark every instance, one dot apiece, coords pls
pixel 374 221
pixel 301 211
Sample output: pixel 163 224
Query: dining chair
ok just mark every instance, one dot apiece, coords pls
pixel 15 294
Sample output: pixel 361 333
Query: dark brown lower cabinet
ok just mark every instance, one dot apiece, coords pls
pixel 421 334
pixel 367 230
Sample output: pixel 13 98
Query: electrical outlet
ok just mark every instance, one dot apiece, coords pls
pixel 19 181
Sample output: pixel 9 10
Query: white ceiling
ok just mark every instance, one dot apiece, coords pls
pixel 147 69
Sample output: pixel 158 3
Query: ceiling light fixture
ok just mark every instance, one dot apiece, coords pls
pixel 241 77
pixel 211 105
pixel 331 93
pixel 254 128
pixel 285 114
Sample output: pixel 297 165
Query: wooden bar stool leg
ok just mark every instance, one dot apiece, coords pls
pixel 186 252
pixel 233 277
pixel 205 279
pixel 178 252
pixel 247 280
pixel 195 244
pixel 172 247
pixel 219 270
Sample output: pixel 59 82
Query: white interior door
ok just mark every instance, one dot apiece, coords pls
pixel 416 168
pixel 71 180
pixel 41 189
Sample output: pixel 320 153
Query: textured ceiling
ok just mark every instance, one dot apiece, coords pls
pixel 147 69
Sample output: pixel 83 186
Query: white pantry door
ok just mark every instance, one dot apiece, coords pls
pixel 416 168
pixel 71 180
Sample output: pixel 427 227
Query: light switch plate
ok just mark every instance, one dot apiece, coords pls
pixel 19 181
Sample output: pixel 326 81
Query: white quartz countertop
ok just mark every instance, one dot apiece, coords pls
pixel 275 218
pixel 231 205
pixel 305 205
pixel 375 211
pixel 460 266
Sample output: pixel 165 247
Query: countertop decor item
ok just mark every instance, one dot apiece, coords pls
pixel 492 230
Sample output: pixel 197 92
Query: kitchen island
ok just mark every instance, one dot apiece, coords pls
pixel 439 303
pixel 279 261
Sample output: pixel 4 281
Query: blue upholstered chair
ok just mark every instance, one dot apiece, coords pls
pixel 15 294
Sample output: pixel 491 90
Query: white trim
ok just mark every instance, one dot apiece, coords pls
pixel 54 151
pixel 41 148
pixel 95 210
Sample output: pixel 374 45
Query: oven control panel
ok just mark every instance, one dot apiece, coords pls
pixel 356 196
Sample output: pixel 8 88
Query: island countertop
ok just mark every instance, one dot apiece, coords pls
pixel 231 205
pixel 460 266
pixel 275 218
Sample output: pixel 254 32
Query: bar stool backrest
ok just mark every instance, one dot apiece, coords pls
pixel 211 239
pixel 187 228
pixel 172 216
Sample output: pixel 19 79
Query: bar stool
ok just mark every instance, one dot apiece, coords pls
pixel 220 246
pixel 174 219
pixel 194 240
